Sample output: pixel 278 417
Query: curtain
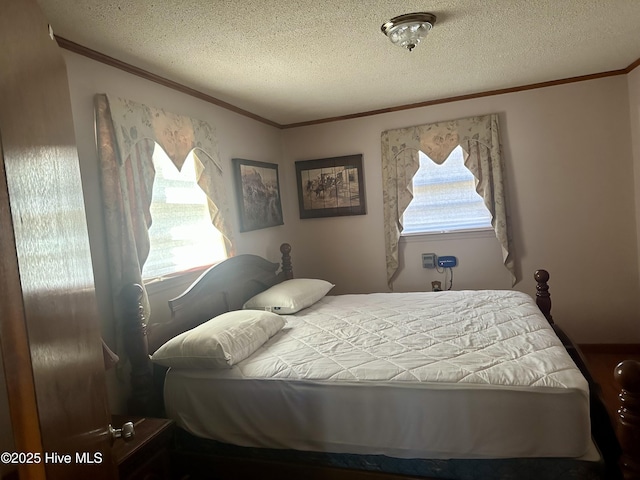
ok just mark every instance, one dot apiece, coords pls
pixel 479 138
pixel 126 133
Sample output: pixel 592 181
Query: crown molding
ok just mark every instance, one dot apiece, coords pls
pixel 113 62
pixel 127 67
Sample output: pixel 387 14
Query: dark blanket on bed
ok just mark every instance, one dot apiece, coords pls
pixel 466 469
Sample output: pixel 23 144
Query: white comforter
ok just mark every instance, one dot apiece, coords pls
pixel 490 338
pixel 462 374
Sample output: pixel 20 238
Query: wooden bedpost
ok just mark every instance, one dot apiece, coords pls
pixel 134 329
pixel 602 427
pixel 287 267
pixel 543 298
pixel 627 374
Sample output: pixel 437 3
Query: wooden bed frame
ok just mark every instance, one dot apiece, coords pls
pixel 226 286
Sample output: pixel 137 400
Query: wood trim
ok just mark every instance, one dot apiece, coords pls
pixel 633 66
pixel 613 348
pixel 458 98
pixel 152 77
pixel 113 62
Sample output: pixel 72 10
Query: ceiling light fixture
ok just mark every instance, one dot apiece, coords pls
pixel 407 30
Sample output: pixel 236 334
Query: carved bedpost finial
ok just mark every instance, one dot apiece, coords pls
pixel 543 298
pixel 132 302
pixel 287 267
pixel 627 374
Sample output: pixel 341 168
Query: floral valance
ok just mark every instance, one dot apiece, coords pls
pixel 479 138
pixel 178 135
pixel 126 135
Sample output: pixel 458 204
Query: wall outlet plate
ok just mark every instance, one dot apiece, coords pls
pixel 447 261
pixel 429 260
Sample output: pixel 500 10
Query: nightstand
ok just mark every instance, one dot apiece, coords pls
pixel 146 455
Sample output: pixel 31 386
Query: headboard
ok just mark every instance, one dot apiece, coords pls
pixel 221 288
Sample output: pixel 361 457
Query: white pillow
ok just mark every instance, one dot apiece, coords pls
pixel 221 342
pixel 290 296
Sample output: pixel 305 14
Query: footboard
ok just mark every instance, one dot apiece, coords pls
pixel 627 374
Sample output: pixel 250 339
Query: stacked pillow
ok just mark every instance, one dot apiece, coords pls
pixel 290 296
pixel 221 342
pixel 231 337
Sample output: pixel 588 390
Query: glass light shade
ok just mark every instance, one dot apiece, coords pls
pixel 408 30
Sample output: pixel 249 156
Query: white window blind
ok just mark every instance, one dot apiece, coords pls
pixel 181 235
pixel 445 199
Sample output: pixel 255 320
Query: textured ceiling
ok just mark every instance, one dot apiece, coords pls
pixel 292 61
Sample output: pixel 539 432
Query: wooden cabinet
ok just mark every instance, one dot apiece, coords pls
pixel 146 455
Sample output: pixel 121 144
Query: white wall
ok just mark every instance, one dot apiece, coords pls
pixel 238 136
pixel 570 192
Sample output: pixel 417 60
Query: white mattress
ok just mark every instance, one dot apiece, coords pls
pixel 468 374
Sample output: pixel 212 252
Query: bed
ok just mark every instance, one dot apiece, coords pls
pixel 485 385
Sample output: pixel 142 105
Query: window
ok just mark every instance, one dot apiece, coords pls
pixel 445 199
pixel 181 235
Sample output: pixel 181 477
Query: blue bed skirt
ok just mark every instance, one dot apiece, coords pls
pixel 465 469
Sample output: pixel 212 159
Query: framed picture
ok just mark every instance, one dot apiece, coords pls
pixel 331 187
pixel 258 193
